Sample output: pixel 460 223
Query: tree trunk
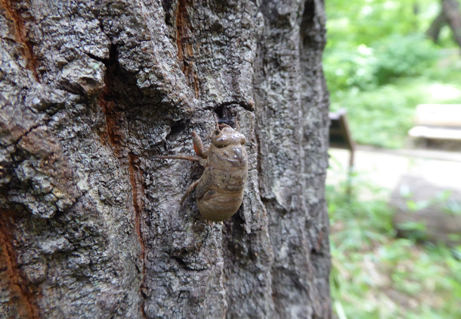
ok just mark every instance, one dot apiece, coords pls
pixel 453 16
pixel 436 26
pixel 90 220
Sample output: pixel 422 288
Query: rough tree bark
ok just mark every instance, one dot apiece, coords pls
pixel 90 221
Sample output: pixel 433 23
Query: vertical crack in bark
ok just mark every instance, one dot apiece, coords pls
pixel 181 24
pixel 20 33
pixel 138 194
pixel 185 51
pixel 22 295
pixel 113 100
pixel 311 47
pixel 109 103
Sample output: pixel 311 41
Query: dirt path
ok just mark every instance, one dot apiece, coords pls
pixel 387 167
pixel 423 186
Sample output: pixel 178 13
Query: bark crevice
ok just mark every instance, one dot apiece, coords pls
pixel 109 102
pixel 21 35
pixel 184 45
pixel 23 294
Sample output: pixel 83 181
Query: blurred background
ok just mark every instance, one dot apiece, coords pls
pixel 393 69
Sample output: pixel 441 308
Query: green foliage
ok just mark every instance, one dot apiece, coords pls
pixel 376 275
pixel 403 56
pixel 349 68
pixel 379 65
pixel 385 60
pixel 355 22
pixel 382 116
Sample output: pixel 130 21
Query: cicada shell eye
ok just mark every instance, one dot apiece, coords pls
pixel 221 141
pixel 243 139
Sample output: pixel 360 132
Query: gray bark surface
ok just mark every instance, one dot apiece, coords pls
pixel 90 221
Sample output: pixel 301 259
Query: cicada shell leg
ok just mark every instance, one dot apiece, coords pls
pixel 198 145
pixel 190 189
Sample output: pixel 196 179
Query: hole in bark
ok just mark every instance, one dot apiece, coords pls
pixel 181 262
pixel 219 111
pixel 167 6
pixel 226 114
pixel 177 128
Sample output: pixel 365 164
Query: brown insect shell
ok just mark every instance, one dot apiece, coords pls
pixel 219 192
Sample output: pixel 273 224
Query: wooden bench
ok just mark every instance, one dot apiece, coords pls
pixel 437 122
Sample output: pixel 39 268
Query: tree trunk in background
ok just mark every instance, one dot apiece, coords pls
pixel 450 14
pixel 436 26
pixel 453 15
pixel 90 221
